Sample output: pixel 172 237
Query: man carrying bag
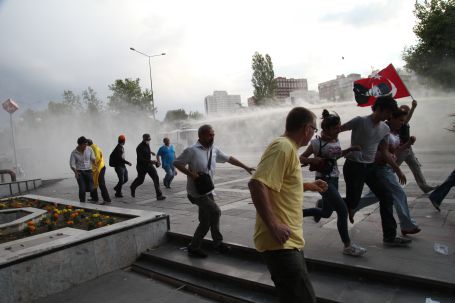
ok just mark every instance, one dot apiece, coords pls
pixel 198 163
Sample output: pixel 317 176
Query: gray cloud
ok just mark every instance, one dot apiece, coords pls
pixel 366 14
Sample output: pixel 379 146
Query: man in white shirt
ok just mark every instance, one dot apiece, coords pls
pixel 81 161
pixel 193 162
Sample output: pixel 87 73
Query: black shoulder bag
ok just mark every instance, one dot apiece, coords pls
pixel 204 183
pixel 325 167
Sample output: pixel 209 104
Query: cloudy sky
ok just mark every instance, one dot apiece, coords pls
pixel 53 45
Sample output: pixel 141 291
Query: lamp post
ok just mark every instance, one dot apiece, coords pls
pixel 150 73
pixel 10 106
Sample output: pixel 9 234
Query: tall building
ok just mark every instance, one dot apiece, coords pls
pixel 221 102
pixel 285 86
pixel 339 89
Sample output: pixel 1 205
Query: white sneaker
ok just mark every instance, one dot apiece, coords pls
pixel 354 250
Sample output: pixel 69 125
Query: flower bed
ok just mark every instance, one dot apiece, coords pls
pixel 58 216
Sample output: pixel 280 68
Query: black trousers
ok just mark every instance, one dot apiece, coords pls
pixel 102 186
pixel 289 273
pixel 151 171
pixel 356 175
pixel 209 219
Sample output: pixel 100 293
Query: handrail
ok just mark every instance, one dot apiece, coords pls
pixel 7 172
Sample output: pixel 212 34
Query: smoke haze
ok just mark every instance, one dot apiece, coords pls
pixel 44 144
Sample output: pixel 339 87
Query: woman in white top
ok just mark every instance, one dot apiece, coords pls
pixel 327 150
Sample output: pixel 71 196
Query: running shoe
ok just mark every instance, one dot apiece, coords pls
pixel 397 241
pixel 354 250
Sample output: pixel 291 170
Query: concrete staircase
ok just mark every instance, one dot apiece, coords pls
pixel 240 276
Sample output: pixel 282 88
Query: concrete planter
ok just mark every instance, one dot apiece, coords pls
pixel 48 263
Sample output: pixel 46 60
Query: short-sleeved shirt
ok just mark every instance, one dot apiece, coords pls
pixel 82 160
pixel 367 136
pixel 280 170
pixel 196 157
pixel 167 155
pixel 329 150
pixel 394 143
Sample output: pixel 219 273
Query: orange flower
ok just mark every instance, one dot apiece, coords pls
pixel 31 228
pixel 70 222
pixel 74 215
pixel 30 223
pixel 100 224
pixel 55 216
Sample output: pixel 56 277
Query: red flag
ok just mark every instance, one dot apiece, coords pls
pixel 387 82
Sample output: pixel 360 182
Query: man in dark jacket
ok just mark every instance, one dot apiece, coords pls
pixel 117 160
pixel 145 166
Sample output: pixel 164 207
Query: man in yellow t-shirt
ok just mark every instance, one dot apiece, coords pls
pixel 98 175
pixel 277 192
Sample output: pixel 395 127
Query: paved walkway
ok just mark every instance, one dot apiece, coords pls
pixel 322 239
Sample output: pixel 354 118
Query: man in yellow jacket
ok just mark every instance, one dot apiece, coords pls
pixel 98 174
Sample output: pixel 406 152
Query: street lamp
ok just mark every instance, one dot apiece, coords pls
pixel 150 71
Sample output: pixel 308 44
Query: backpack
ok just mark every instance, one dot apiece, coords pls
pixel 112 162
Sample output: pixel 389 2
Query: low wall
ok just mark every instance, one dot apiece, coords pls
pixel 48 263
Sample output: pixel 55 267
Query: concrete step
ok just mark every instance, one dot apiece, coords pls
pixel 241 276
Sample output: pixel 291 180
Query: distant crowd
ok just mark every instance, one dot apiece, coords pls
pixel 380 143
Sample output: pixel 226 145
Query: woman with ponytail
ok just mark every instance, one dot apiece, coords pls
pixel 327 150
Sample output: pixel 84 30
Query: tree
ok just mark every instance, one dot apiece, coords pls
pixel 127 94
pixel 196 115
pixel 176 115
pixel 72 100
pixel 433 56
pixel 91 101
pixel 263 79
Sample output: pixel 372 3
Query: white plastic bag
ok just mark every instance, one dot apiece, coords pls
pixel 441 249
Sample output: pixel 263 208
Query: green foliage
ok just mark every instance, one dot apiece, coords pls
pixel 263 79
pixel 175 115
pixel 91 101
pixel 433 56
pixel 72 100
pixel 196 115
pixel 127 94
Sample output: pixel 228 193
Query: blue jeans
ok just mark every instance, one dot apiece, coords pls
pixel 332 201
pixel 442 190
pixel 170 173
pixel 85 182
pixel 122 174
pixel 400 201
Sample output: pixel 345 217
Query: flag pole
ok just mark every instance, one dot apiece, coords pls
pixel 14 144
